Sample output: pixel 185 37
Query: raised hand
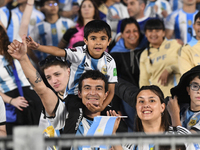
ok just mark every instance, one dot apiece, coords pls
pixel 31 44
pixel 117 121
pixel 17 49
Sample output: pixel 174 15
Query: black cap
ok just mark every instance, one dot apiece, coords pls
pixel 180 90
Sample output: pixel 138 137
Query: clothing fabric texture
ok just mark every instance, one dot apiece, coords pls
pixel 13 28
pixel 182 24
pixel 189 55
pixel 46 33
pixel 81 61
pixel 127 62
pixel 161 5
pixel 172 130
pixel 164 57
pixel 175 4
pixel 36 17
pixel 73 37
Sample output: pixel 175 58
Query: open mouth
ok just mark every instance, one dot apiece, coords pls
pixel 147 112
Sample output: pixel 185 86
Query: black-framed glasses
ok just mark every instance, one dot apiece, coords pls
pixel 52 4
pixel 49 60
pixel 195 86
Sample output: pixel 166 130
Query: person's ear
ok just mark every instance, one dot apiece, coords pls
pixel 79 95
pixel 105 96
pixel 85 41
pixel 162 107
pixel 188 90
pixel 109 41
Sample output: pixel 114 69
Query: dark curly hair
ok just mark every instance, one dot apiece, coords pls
pixel 4 42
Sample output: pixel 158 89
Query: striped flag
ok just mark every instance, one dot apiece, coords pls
pixel 102 125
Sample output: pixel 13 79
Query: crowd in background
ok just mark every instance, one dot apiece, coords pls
pixel 149 54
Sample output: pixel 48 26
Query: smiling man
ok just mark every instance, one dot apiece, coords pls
pixel 189 56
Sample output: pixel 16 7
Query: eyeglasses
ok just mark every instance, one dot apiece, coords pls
pixel 51 4
pixel 49 60
pixel 195 86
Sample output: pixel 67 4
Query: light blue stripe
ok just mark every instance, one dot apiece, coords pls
pixel 109 126
pixel 193 42
pixel 4 86
pixel 65 24
pixel 38 20
pixel 42 33
pixel 177 28
pixel 94 63
pixel 175 5
pixel 77 75
pixel 175 83
pixel 54 36
pixel 163 6
pixel 189 18
pixel 94 125
pixel 115 9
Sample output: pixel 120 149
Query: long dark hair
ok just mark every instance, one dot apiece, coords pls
pixel 80 20
pixel 165 115
pixel 4 42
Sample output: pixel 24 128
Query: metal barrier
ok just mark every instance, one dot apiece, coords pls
pixel 30 138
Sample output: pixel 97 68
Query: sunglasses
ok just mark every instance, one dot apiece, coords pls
pixel 49 60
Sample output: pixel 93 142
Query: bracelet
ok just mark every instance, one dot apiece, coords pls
pixel 29 4
pixel 10 100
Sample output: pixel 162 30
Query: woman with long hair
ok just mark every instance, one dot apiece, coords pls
pixel 19 108
pixel 74 36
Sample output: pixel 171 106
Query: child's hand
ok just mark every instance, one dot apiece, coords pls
pixel 117 121
pixel 163 79
pixel 31 44
pixel 17 49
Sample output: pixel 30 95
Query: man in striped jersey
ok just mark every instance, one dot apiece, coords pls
pixel 51 30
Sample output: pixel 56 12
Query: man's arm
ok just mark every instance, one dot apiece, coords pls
pixel 49 99
pixel 26 18
pixel 46 49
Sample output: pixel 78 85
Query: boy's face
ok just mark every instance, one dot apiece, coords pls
pixel 93 91
pixel 97 43
pixel 194 93
pixel 196 27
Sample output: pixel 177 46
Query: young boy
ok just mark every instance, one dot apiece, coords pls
pixel 92 56
pixel 186 92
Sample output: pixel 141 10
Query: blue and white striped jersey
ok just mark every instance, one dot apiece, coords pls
pixel 2 112
pixel 13 29
pixel 82 61
pixel 161 5
pixel 191 119
pixel 176 4
pixel 66 5
pixel 7 78
pixel 182 24
pixel 50 34
pixel 36 17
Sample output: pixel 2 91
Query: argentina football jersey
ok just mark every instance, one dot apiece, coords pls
pixel 36 17
pixel 14 25
pixel 50 34
pixel 82 61
pixel 182 24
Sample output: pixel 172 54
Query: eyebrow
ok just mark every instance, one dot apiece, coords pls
pixel 95 86
pixel 143 97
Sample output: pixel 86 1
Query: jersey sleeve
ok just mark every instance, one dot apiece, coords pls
pixel 74 55
pixel 144 75
pixel 112 72
pixel 184 60
pixel 61 114
pixel 170 22
pixel 2 112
